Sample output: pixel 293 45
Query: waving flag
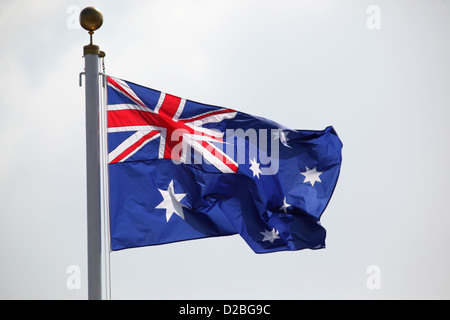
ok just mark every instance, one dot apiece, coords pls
pixel 181 170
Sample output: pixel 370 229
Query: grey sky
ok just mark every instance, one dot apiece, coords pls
pixel 304 64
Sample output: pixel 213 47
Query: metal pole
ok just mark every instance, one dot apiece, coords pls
pixel 93 176
pixel 91 19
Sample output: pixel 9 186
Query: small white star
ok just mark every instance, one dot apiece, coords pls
pixel 255 168
pixel 311 176
pixel 285 205
pixel 270 235
pixel 280 134
pixel 171 202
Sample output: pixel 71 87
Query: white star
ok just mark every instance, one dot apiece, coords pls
pixel 255 168
pixel 280 134
pixel 285 205
pixel 270 235
pixel 171 202
pixel 311 176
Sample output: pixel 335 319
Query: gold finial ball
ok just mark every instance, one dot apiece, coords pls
pixel 91 18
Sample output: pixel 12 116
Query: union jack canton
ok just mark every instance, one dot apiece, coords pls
pixel 164 121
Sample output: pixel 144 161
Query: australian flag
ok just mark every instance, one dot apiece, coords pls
pixel 181 170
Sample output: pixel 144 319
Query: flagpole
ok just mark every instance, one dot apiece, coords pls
pixel 91 19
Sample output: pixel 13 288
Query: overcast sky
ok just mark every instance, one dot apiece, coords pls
pixel 378 71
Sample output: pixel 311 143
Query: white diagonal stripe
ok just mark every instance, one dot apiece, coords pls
pixel 129 142
pixel 127 88
pixel 179 110
pixel 218 163
pixel 162 96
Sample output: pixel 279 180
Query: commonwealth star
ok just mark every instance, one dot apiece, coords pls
pixel 171 202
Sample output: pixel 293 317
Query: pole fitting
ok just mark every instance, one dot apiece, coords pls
pixel 91 19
